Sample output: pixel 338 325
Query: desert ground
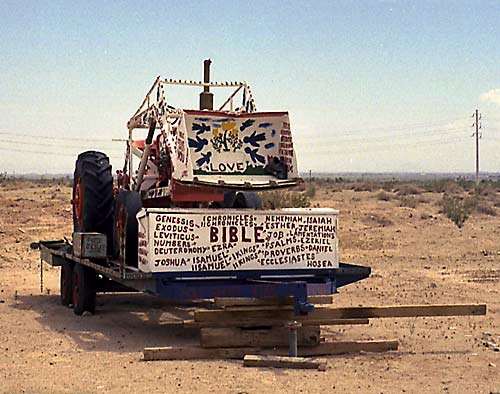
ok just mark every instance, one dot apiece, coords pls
pixel 417 255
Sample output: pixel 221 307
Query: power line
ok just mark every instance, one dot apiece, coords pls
pixel 54 144
pixel 388 147
pixel 48 153
pixel 48 137
pixel 403 127
pixel 348 138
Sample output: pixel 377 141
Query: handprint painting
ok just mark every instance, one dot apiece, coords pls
pixel 256 144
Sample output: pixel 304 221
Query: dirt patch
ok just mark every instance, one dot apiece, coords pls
pixel 419 257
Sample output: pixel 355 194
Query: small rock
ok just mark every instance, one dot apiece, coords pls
pixel 86 313
pixel 492 365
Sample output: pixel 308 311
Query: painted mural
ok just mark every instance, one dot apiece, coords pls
pixel 254 144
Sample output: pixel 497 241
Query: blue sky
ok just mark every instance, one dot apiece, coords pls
pixel 370 85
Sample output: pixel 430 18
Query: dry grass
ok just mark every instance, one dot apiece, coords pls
pixel 377 220
pixel 285 199
pixel 408 201
pixel 408 189
pixel 384 196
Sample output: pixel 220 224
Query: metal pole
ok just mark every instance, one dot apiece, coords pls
pixel 145 154
pixel 292 338
pixel 206 73
pixel 477 147
pixel 206 98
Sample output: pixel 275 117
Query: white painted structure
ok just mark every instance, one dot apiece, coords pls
pixel 200 240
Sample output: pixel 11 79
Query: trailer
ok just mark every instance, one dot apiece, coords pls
pixel 93 275
pixel 186 223
pixel 182 218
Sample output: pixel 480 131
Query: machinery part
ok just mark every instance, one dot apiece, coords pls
pixel 83 289
pixel 247 200
pixel 93 205
pixel 145 154
pixel 66 284
pixel 277 168
pixel 302 306
pixel 242 200
pixel 206 98
pixel 128 204
pixel 293 326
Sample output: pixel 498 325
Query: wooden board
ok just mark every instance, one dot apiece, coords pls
pixel 270 323
pixel 323 349
pixel 324 313
pixel 272 337
pixel 241 302
pixel 253 360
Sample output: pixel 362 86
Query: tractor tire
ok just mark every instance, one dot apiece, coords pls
pixel 84 294
pixel 93 201
pixel 128 204
pixel 66 284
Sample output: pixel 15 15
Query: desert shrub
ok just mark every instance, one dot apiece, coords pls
pixel 408 189
pixel 422 199
pixel 486 190
pixel 442 186
pixel 408 201
pixel 383 196
pixel 364 187
pixel 485 209
pixel 389 186
pixel 457 209
pixel 3 177
pixel 465 183
pixel 310 190
pixel 284 199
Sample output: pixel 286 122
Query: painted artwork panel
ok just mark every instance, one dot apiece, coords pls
pixel 173 241
pixel 250 145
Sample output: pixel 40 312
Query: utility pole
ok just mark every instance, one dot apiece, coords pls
pixel 476 134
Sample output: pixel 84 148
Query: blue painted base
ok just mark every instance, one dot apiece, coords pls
pixel 258 284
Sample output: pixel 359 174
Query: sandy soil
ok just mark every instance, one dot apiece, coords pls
pixel 417 256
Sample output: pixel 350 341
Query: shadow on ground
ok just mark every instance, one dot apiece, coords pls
pixel 122 322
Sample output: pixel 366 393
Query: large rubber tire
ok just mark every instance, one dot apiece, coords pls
pixel 66 284
pixel 93 201
pixel 128 204
pixel 84 295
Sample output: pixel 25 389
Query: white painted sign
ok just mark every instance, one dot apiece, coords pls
pixel 253 148
pixel 200 240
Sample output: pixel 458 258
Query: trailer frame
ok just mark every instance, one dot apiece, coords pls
pixel 182 286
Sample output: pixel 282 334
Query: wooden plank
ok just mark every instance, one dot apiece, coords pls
pixel 343 313
pixel 253 360
pixel 345 347
pixel 241 302
pixel 323 349
pixel 272 337
pixel 271 323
